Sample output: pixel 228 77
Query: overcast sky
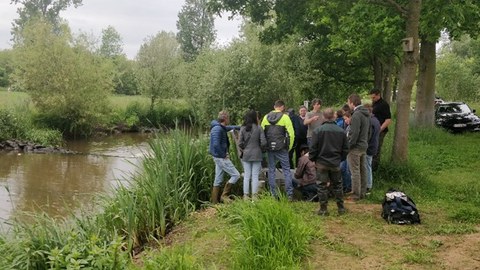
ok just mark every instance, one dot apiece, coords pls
pixel 135 20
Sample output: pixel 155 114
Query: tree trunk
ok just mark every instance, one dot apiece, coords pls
pixel 377 73
pixel 388 80
pixel 424 109
pixel 407 79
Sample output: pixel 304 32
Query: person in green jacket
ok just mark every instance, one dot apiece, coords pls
pixel 280 136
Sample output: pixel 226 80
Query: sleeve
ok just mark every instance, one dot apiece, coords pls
pixel 344 146
pixel 241 139
pixel 215 140
pixel 300 168
pixel 354 131
pixel 290 131
pixel 313 151
pixel 263 139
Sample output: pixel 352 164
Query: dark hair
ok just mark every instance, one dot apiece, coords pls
pixel 355 99
pixel 340 113
pixel 249 119
pixel 346 108
pixel 302 107
pixel 316 101
pixel 375 91
pixel 279 103
pixel 347 114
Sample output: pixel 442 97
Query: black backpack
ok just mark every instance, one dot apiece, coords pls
pixel 398 208
pixel 277 137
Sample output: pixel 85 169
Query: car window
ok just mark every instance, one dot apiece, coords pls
pixel 454 108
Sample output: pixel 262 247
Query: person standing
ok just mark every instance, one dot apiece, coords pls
pixel 313 119
pixel 381 110
pixel 251 140
pixel 219 145
pixel 372 146
pixel 357 145
pixel 280 136
pixel 329 147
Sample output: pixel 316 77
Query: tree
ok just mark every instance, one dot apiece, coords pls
pixel 156 62
pixel 68 85
pixel 406 78
pixel 112 44
pixel 46 9
pixel 196 29
pixel 6 67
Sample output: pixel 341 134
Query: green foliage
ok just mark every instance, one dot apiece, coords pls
pixel 111 45
pixel 156 62
pixel 458 67
pixel 45 10
pixel 6 67
pixel 46 243
pixel 178 258
pixel 18 124
pixel 196 28
pixel 271 235
pixel 165 114
pixel 69 86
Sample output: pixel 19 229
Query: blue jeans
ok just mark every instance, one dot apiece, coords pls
pixel 252 170
pixel 369 172
pixel 224 165
pixel 282 156
pixel 346 176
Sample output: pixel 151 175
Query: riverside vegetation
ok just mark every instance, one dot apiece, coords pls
pixel 156 213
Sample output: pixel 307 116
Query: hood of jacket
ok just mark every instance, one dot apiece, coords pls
pixel 274 116
pixel 362 110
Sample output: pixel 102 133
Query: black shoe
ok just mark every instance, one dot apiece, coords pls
pixel 341 211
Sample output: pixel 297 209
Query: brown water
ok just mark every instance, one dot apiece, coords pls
pixel 57 183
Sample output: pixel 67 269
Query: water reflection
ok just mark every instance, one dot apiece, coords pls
pixel 50 182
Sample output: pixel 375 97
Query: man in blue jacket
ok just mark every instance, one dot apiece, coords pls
pixel 219 145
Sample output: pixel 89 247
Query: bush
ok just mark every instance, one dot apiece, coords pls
pixel 179 258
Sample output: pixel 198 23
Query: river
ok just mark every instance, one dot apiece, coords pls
pixel 59 183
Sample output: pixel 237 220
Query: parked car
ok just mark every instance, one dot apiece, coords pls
pixel 456 117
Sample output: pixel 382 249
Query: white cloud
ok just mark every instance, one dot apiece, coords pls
pixel 135 20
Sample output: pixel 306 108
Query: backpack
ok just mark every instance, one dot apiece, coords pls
pixel 398 208
pixel 277 137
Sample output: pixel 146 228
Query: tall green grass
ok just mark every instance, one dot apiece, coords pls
pixel 271 235
pixel 176 178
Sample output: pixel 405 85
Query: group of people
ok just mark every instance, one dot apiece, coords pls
pixel 335 151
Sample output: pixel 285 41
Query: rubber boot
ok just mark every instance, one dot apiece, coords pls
pixel 226 192
pixel 215 193
pixel 323 210
pixel 341 208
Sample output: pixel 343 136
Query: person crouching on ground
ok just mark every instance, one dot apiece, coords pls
pixel 252 140
pixel 306 175
pixel 329 147
pixel 219 145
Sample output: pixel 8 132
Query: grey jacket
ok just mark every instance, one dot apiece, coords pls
pixel 252 142
pixel 359 129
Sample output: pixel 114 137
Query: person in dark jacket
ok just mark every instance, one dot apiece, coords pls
pixel 306 175
pixel 372 145
pixel 219 145
pixel 381 110
pixel 357 145
pixel 252 140
pixel 329 147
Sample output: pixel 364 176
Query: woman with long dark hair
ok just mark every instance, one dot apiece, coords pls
pixel 251 141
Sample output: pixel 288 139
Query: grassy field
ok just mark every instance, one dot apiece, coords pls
pixel 442 178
